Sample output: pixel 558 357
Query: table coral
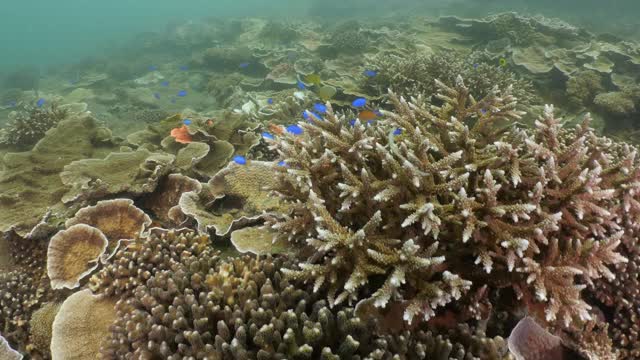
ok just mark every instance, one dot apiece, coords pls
pixel 458 199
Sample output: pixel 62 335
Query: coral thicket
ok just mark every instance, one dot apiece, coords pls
pixel 435 205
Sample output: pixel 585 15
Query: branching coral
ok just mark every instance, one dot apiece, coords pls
pixel 29 124
pixel 437 201
pixel 200 306
pixel 416 74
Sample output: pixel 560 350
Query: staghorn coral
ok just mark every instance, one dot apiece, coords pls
pixel 414 74
pixel 436 203
pixel 28 125
pixel 243 308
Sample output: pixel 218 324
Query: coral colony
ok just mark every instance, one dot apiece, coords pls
pixel 340 199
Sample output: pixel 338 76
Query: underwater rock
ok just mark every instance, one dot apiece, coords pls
pixel 75 338
pixel 73 254
pixel 128 173
pixel 529 341
pixel 6 352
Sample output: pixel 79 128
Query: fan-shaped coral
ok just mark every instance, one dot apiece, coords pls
pixel 398 212
pixel 73 254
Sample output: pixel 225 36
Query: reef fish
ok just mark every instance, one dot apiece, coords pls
pixel 187 121
pixel 153 68
pixel 240 160
pixel 366 115
pixel 182 93
pixel 397 131
pixel 269 101
pixel 184 68
pixel 321 108
pixel 301 85
pixel 327 92
pixel 181 134
pixel 156 95
pixel 370 73
pixel 313 79
pixel 164 83
pixel 244 65
pixel 359 102
pixel 267 135
pixel 40 102
pixel 294 129
pixel 503 62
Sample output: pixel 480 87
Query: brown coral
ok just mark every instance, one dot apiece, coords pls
pixel 73 254
pixel 117 219
pixel 417 199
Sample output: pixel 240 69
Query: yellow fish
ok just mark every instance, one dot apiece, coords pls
pixel 327 92
pixel 312 79
pixel 503 62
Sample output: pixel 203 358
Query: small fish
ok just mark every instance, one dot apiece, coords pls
pixel 12 103
pixel 352 122
pixel 244 65
pixel 156 95
pixel 269 101
pixel 164 83
pixel 366 115
pixel 182 93
pixel 294 129
pixel 187 121
pixel 181 134
pixel 327 92
pixel 282 163
pixel 301 85
pixel 240 160
pixel 307 115
pixel 153 68
pixel 370 73
pixel 210 122
pixel 173 100
pixel 359 102
pixel 321 108
pixel 503 62
pixel 475 66
pixel 276 129
pixel 313 79
pixel 397 131
pixel 483 111
pixel 184 68
pixel 40 102
pixel 267 135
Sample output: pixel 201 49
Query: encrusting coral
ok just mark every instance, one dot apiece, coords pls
pixel 433 204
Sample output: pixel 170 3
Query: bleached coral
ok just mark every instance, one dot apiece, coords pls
pixel 402 211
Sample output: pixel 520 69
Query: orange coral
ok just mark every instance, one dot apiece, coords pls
pixel 181 134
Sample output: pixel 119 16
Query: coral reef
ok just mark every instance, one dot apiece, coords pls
pixel 414 74
pixel 243 308
pixel 398 212
pixel 583 87
pixel 41 328
pixel 29 124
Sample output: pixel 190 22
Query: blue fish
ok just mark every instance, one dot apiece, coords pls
pixel 184 68
pixel 397 132
pixel 240 160
pixel 156 95
pixel 352 122
pixel 182 93
pixel 359 102
pixel 267 135
pixel 378 112
pixel 370 122
pixel 301 85
pixel 307 115
pixel 475 66
pixel 321 108
pixel 153 68
pixel 164 83
pixel 269 101
pixel 12 103
pixel 282 163
pixel 294 129
pixel 40 102
pixel 244 65
pixel 483 111
pixel 370 73
pixel 187 121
